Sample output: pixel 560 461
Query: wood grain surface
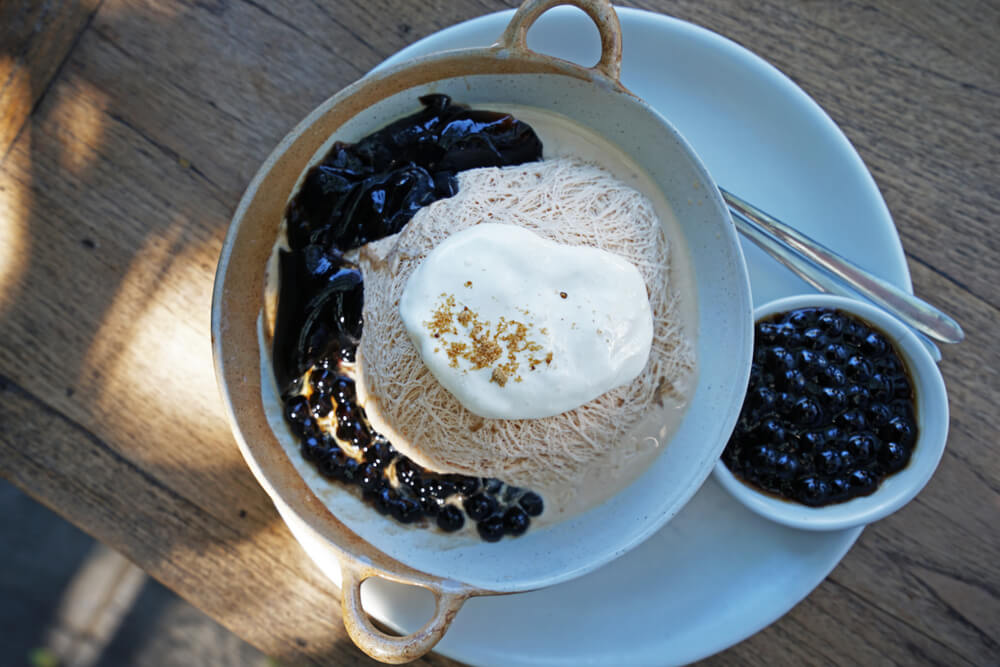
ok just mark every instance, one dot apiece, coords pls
pixel 128 131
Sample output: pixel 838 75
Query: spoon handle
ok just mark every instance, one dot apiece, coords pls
pixel 803 255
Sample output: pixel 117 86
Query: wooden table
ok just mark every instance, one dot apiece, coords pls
pixel 128 131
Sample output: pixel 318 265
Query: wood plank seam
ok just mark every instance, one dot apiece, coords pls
pixel 872 604
pixel 9 385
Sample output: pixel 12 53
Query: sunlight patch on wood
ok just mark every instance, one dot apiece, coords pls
pixel 81 126
pixel 153 346
pixel 15 209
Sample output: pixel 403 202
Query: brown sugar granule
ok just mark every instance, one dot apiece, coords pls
pixel 499 376
pixel 484 353
pixel 482 346
pixel 441 319
pixel 455 351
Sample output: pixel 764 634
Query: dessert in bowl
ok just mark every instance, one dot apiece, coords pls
pixel 603 119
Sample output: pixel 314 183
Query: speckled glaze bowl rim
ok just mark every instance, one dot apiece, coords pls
pixel 896 490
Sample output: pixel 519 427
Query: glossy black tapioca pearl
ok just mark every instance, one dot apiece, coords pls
pixel 840 488
pixel 836 353
pixel 862 447
pixel 812 490
pixel 874 344
pixel 761 459
pixel 816 338
pixel 515 521
pixel 342 389
pixel 491 528
pixel 770 333
pixel 492 485
pixel 296 408
pixel 430 505
pixel 855 332
pixel 893 457
pixel 862 481
pixel 350 471
pixel 379 452
pixel 332 461
pixel 313 448
pixel 762 398
pixel 858 368
pixel 356 433
pixel 832 376
pixel 370 477
pixel 806 412
pixel 777 360
pixel 881 387
pixel 852 420
pixel 532 503
pixel 878 414
pixel 771 430
pixel 405 510
pixel 348 411
pixel 832 399
pixel 811 362
pixel 299 416
pixel 384 499
pixel 467 486
pixel 322 381
pixel 439 488
pixel 348 353
pixel 786 467
pixel 480 506
pixel 858 394
pixel 760 401
pixel 782 335
pixel 831 323
pixel 450 519
pixel 792 381
pixel 898 430
pixel 810 441
pixel 801 318
pixel 408 473
pixel 320 405
pixel 510 494
pixel 829 461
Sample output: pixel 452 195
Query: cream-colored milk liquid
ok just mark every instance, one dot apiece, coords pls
pixel 562 137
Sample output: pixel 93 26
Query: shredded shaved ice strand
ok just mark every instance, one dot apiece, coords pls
pixel 570 202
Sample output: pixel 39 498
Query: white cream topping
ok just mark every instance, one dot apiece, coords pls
pixel 517 327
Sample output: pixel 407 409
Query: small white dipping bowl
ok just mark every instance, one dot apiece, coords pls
pixel 895 490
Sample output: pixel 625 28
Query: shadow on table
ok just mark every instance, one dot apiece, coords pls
pixel 39 621
pixel 114 199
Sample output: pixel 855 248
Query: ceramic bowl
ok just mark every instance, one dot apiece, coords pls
pixel 897 489
pixel 454 569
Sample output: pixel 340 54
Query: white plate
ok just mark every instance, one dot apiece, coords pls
pixel 717 573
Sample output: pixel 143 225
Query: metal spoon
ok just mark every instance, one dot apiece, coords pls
pixel 829 272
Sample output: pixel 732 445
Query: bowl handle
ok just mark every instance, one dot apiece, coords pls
pixel 514 37
pixel 388 648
